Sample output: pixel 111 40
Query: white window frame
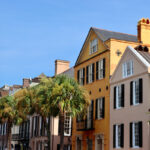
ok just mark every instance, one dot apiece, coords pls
pixel 67 125
pixel 125 69
pixel 118 97
pixel 90 73
pixel 133 134
pixel 100 69
pixel 117 137
pixel 134 92
pixel 99 107
pixel 93 46
pixel 81 77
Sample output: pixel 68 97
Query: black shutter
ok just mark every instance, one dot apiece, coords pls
pixel 104 68
pixel 96 108
pixel 140 90
pixel 78 72
pixel 93 71
pixel 131 135
pixel 83 76
pixel 131 93
pixel 122 135
pixel 87 74
pixel 92 113
pixel 115 97
pixel 32 126
pixel 122 95
pixel 114 136
pixel 97 70
pixel 140 134
pixel 59 127
pixel 58 146
pixel 103 108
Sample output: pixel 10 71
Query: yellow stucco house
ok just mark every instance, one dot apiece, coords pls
pixel 95 64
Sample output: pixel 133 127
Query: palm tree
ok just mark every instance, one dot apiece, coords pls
pixel 9 115
pixel 60 96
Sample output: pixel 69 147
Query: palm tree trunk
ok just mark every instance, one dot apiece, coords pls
pixel 62 118
pixel 9 125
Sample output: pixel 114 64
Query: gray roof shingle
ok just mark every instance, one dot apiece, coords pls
pixel 104 35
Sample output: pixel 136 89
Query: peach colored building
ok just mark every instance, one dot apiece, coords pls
pixel 130 101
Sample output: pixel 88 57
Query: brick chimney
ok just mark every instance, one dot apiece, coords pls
pixel 143 29
pixel 61 66
pixel 26 82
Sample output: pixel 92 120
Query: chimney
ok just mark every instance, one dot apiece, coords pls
pixel 61 66
pixel 143 29
pixel 26 82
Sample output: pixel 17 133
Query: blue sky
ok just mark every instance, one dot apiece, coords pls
pixel 34 33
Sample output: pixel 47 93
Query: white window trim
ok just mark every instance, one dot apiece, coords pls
pixel 91 46
pixel 99 136
pixel 133 135
pixel 124 69
pixel 134 93
pixel 99 100
pixel 116 134
pixel 117 97
pixel 81 76
pixel 90 68
pixel 100 68
pixel 70 125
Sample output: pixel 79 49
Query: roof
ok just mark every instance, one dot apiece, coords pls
pixel 69 72
pixel 104 35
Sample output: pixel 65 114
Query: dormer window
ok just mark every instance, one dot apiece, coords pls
pixel 93 46
pixel 127 69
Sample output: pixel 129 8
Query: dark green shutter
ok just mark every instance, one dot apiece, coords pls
pixel 87 74
pixel 104 68
pixel 97 70
pixel 83 76
pixel 131 136
pixel 96 108
pixel 122 95
pixel 93 72
pixel 103 108
pixel 114 136
pixel 140 90
pixel 115 97
pixel 122 135
pixel 140 134
pixel 92 102
pixel 131 93
pixel 78 72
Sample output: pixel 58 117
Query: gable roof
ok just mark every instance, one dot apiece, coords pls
pixel 105 35
pixel 143 56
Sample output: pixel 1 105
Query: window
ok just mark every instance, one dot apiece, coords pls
pixel 136 134
pixel 90 73
pixel 127 69
pixel 100 69
pixel 79 143
pixel 89 144
pixel 118 136
pixel 119 96
pixel 90 116
pixel 93 46
pixel 81 76
pixel 100 108
pixel 67 125
pixel 136 92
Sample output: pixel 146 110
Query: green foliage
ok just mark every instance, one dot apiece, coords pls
pixel 8 111
pixel 61 94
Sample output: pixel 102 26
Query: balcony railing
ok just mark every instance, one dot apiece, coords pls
pixel 15 137
pixel 85 125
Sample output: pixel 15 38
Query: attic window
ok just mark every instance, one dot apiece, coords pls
pixel 93 46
